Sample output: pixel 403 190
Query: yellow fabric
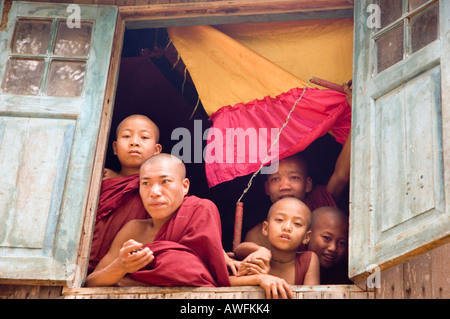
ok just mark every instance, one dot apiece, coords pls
pixel 239 63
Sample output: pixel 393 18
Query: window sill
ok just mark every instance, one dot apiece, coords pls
pixel 245 292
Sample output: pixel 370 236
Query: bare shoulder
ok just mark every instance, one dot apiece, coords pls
pixel 109 173
pixel 137 225
pixel 255 235
pixel 141 230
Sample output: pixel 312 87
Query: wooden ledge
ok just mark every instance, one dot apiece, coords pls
pixel 319 9
pixel 245 292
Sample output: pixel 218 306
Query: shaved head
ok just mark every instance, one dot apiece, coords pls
pixel 291 202
pixel 178 165
pixel 143 117
pixel 331 213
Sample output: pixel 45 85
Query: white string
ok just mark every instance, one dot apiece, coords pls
pixel 276 141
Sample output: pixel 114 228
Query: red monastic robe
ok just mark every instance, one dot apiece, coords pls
pixel 119 203
pixel 188 249
pixel 302 261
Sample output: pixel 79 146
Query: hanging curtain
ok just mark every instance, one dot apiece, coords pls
pixel 248 95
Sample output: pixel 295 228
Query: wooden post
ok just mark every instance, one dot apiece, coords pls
pixel 238 224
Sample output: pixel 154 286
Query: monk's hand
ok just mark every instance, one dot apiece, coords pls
pixel 257 262
pixel 348 93
pixel 275 287
pixel 133 256
pixel 232 263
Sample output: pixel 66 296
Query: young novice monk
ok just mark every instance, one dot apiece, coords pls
pixel 136 140
pixel 329 240
pixel 180 245
pixel 286 227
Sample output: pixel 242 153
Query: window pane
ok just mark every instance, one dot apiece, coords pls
pixel 71 42
pixel 31 37
pixel 66 78
pixel 414 4
pixel 23 76
pixel 390 11
pixel 424 27
pixel 390 48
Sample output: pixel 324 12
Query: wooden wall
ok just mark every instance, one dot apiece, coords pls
pixel 425 276
pixel 123 2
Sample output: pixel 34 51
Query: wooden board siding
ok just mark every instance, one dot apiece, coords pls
pixel 425 276
pixel 169 13
pixel 300 292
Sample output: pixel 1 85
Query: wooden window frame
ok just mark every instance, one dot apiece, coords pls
pixel 183 14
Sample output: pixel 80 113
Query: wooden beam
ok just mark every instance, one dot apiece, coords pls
pixel 222 12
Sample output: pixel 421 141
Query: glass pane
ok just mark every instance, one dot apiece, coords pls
pixel 71 42
pixel 66 78
pixel 390 11
pixel 414 4
pixel 31 37
pixel 425 27
pixel 23 76
pixel 390 48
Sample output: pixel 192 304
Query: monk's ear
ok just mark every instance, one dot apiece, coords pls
pixel 158 149
pixel 264 229
pixel 307 237
pixel 114 146
pixel 309 184
pixel 185 184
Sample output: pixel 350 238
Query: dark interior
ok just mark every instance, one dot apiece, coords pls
pixel 149 84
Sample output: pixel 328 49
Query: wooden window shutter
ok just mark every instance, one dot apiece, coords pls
pixel 53 76
pixel 400 180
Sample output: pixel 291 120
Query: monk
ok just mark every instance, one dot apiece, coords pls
pixel 136 140
pixel 180 245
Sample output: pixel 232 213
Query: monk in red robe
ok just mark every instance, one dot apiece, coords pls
pixel 180 245
pixel 136 140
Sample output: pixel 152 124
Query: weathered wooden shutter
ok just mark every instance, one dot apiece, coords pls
pixel 54 61
pixel 400 183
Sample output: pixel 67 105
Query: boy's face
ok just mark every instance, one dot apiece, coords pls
pixel 329 238
pixel 162 189
pixel 287 226
pixel 288 181
pixel 136 142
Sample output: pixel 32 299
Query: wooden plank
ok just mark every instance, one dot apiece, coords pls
pixel 309 295
pixel 361 295
pixel 10 291
pixel 223 12
pixel 440 281
pixel 417 274
pixel 391 284
pixel 445 90
pixel 203 295
pixel 151 296
pixel 242 7
pixel 361 184
pixel 261 294
pixel 245 292
pixel 100 154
